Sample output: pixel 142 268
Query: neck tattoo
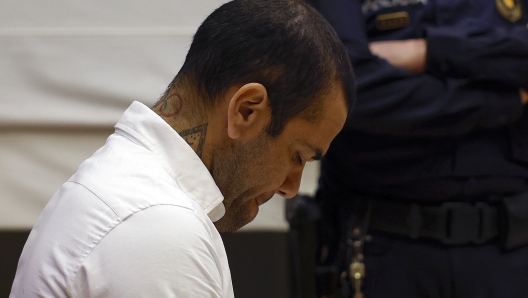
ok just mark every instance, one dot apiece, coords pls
pixel 195 137
pixel 171 105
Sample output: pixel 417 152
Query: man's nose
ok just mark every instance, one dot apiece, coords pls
pixel 290 186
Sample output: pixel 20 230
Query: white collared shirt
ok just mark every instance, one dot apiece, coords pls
pixel 136 220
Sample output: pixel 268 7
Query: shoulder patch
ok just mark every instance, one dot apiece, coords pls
pixel 392 20
pixel 510 9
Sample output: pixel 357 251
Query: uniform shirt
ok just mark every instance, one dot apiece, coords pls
pixel 136 220
pixel 457 131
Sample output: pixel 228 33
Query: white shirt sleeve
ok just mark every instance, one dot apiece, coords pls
pixel 161 251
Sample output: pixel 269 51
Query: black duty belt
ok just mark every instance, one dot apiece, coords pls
pixel 451 223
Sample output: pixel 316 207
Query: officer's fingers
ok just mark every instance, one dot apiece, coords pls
pixel 408 54
pixel 385 49
pixel 524 96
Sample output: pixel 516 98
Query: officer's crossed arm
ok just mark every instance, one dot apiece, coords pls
pixel 411 55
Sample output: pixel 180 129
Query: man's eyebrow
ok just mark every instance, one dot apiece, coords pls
pixel 318 153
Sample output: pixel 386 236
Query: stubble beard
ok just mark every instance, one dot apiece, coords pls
pixel 233 172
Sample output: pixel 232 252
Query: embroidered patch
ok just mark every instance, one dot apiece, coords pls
pixel 392 20
pixel 510 9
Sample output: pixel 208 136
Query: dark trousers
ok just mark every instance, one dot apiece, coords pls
pixel 398 267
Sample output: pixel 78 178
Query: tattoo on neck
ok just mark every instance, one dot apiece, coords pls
pixel 171 105
pixel 195 137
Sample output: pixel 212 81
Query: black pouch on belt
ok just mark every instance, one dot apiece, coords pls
pixel 515 221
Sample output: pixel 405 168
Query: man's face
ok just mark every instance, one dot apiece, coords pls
pixel 250 174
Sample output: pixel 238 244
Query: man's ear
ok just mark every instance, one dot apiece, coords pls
pixel 248 112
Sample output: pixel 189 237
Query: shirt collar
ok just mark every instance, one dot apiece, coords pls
pixel 178 157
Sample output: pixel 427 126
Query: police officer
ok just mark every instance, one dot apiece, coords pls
pixel 430 174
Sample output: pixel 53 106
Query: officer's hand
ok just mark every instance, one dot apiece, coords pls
pixel 408 54
pixel 524 96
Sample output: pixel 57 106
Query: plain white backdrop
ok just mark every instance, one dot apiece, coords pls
pixel 68 70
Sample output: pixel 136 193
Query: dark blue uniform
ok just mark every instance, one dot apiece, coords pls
pixel 455 133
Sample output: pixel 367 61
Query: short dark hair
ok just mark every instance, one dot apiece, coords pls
pixel 285 45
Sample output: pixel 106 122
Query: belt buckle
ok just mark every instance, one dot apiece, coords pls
pixel 461 223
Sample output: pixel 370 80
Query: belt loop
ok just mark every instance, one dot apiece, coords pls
pixel 414 221
pixel 488 227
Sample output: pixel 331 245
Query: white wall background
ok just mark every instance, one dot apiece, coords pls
pixel 68 70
